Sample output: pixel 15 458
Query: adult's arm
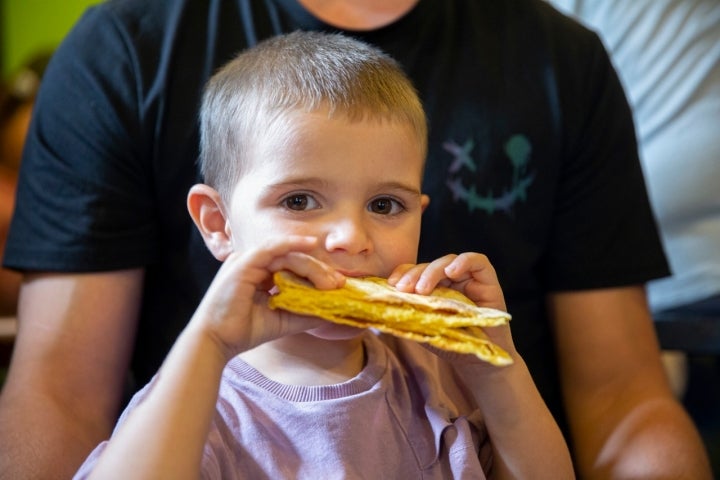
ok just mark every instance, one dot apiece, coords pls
pixel 68 370
pixel 624 420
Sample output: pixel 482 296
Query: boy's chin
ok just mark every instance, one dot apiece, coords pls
pixel 333 331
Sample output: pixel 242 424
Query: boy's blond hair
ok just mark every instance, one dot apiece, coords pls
pixel 257 92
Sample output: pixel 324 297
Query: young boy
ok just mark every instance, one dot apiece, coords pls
pixel 312 148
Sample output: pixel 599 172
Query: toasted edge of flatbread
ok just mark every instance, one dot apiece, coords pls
pixel 446 319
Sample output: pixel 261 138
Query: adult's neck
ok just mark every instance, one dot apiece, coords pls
pixel 358 14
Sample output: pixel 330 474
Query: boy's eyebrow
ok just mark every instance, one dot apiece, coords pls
pixel 399 186
pixel 317 182
pixel 299 182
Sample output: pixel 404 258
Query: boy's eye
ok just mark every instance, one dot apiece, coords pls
pixel 385 206
pixel 299 202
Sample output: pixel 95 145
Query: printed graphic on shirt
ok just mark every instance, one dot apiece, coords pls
pixel 517 149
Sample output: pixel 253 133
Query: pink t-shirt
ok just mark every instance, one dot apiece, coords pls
pixel 406 415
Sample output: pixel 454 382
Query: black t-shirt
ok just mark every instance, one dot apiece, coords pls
pixel 532 156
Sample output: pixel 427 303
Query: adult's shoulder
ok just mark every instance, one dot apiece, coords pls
pixel 566 36
pixel 134 15
pixel 127 51
pixel 134 28
pixel 536 34
pixel 576 62
pixel 556 21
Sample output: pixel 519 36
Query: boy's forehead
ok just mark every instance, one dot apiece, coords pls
pixel 306 123
pixel 304 140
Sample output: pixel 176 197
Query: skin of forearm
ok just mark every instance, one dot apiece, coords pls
pixel 655 439
pixel 167 431
pixel 64 388
pixel 41 439
pixel 527 443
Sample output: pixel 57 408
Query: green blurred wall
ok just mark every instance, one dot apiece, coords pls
pixel 28 26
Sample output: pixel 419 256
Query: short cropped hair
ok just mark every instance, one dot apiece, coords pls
pixel 298 72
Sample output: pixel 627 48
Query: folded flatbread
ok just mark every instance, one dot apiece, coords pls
pixel 445 319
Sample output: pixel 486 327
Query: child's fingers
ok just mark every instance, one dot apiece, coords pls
pixel 320 274
pixel 399 272
pixel 485 295
pixel 434 274
pixel 424 277
pixel 259 260
pixel 470 273
pixel 473 274
pixel 471 265
pixel 407 280
pixel 287 253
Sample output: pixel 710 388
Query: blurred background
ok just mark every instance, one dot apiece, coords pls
pixel 31 26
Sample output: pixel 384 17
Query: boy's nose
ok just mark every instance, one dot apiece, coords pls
pixel 348 234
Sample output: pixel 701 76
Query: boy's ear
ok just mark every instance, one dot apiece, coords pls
pixel 424 201
pixel 205 206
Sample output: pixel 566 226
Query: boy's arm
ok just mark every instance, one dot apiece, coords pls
pixel 166 433
pixel 68 371
pixel 624 420
pixel 526 441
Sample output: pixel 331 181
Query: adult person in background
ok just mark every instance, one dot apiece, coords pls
pixel 17 97
pixel 532 161
pixel 667 53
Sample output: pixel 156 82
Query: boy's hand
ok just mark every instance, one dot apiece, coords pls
pixel 234 311
pixel 469 273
